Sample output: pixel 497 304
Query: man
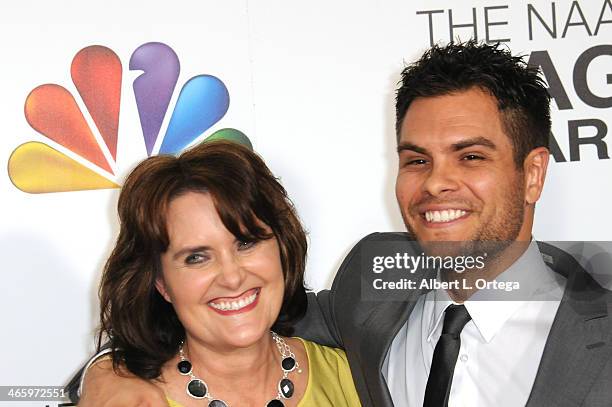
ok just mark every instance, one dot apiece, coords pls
pixel 472 128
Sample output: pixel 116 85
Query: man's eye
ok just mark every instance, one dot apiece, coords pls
pixel 195 258
pixel 472 157
pixel 418 161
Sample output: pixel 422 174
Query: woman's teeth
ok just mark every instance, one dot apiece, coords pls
pixel 233 305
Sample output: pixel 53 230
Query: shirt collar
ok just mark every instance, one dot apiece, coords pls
pixel 490 315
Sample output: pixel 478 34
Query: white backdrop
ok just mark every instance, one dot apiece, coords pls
pixel 312 85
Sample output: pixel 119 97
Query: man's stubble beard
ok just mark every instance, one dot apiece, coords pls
pixel 494 240
pixel 494 236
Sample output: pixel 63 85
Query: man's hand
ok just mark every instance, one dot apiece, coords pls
pixel 104 388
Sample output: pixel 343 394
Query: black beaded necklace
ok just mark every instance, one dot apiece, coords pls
pixel 198 389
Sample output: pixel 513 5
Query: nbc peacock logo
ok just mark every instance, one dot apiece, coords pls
pixel 90 158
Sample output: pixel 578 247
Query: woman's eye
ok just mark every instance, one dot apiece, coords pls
pixel 245 245
pixel 195 258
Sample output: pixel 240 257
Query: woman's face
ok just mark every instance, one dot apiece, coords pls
pixel 226 293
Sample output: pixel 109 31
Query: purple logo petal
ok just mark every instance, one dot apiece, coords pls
pixel 153 89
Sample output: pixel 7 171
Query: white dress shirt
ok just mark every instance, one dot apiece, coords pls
pixel 501 346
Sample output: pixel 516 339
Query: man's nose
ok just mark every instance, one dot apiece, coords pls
pixel 441 179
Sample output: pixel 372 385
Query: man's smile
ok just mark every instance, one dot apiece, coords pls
pixel 444 216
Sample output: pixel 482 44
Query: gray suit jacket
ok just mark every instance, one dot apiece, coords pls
pixel 575 369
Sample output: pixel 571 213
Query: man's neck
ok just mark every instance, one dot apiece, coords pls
pixel 497 261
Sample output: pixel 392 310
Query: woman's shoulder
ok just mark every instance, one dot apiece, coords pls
pixel 330 381
pixel 321 355
pixel 172 403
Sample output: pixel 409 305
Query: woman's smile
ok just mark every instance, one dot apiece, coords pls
pixel 235 305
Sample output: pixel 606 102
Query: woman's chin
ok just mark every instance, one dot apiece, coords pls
pixel 246 339
pixel 240 337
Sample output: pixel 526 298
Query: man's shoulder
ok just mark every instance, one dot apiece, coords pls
pixel 580 335
pixel 582 285
pixel 386 237
pixel 375 238
pixel 351 265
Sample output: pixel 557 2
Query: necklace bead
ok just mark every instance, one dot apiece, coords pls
pixel 198 389
pixel 217 403
pixel 286 388
pixel 288 364
pixel 184 367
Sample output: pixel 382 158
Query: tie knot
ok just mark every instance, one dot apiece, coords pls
pixel 455 318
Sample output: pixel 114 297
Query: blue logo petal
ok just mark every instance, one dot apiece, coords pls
pixel 203 101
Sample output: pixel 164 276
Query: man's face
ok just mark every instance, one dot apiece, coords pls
pixel 457 180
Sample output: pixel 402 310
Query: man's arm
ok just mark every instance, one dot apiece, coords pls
pixel 102 387
pixel 318 325
pixel 90 386
pixel 73 388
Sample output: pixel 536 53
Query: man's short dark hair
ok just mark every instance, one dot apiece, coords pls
pixel 522 96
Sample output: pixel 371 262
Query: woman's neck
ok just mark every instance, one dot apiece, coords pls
pixel 232 362
pixel 237 375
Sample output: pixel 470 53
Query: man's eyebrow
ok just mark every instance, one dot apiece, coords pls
pixel 186 250
pixel 406 146
pixel 476 141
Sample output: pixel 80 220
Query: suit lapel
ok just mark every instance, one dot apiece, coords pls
pixel 580 340
pixel 378 336
pixel 379 330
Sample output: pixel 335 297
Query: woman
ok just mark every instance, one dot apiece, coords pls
pixel 205 282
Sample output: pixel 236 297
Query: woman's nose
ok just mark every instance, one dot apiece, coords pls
pixel 231 273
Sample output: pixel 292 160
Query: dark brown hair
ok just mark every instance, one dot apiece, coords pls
pixel 143 329
pixel 521 93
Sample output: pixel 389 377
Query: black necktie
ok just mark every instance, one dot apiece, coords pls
pixel 445 357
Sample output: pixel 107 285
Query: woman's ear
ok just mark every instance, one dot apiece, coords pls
pixel 534 167
pixel 161 288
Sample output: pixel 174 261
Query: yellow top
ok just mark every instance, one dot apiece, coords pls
pixel 329 380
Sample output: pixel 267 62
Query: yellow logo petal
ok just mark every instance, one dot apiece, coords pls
pixel 37 168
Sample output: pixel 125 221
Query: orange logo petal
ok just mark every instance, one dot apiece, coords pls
pixel 52 111
pixel 96 72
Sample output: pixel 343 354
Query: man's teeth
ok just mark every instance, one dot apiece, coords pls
pixel 443 216
pixel 233 305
